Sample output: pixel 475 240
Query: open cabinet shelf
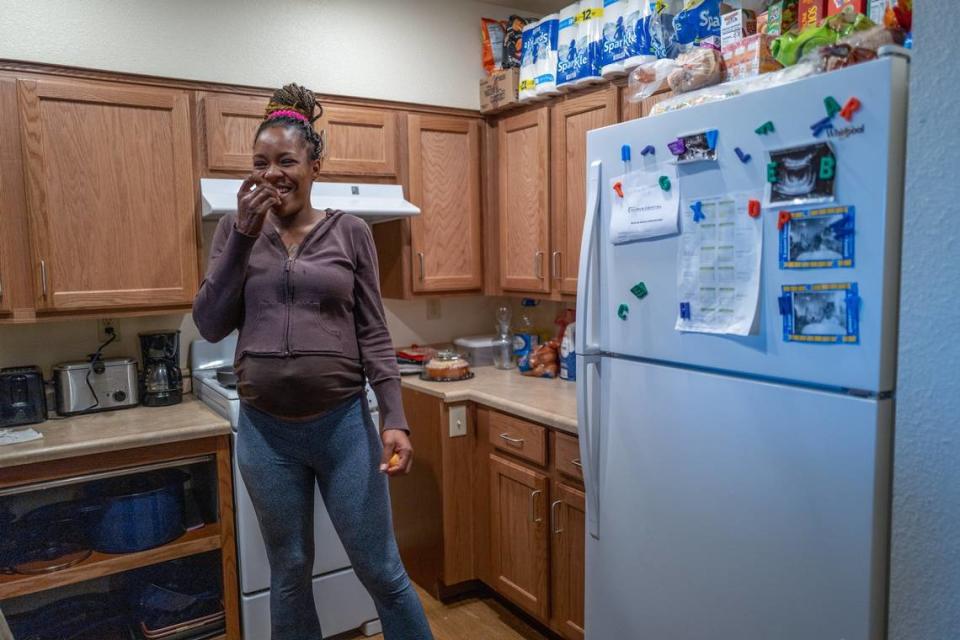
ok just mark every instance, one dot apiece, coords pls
pixel 99 565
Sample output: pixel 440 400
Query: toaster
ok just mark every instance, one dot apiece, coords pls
pixel 23 399
pixel 95 385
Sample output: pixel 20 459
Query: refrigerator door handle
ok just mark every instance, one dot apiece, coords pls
pixel 588 302
pixel 588 424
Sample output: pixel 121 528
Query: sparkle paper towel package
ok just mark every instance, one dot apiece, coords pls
pixel 590 39
pixel 613 47
pixel 528 68
pixel 638 15
pixel 567 46
pixel 545 55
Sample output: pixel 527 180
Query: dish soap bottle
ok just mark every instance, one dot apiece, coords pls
pixel 503 343
pixel 525 339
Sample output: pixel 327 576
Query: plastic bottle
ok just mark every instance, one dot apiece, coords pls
pixel 525 339
pixel 503 343
pixel 568 355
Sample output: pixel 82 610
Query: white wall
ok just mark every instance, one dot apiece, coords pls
pixel 425 51
pixel 925 569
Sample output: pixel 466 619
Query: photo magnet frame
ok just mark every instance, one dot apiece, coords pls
pixel 821 238
pixel 821 313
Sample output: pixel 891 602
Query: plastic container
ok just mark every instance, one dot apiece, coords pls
pixel 478 350
pixel 525 338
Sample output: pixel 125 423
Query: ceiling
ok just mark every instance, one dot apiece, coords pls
pixel 537 7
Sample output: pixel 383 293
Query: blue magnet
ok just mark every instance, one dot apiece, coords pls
pixel 684 310
pixel 712 138
pixel 697 208
pixel 786 304
pixel 647 150
pixel 744 157
pixel 820 126
pixel 625 153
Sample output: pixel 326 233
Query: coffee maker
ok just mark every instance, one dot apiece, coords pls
pixel 161 383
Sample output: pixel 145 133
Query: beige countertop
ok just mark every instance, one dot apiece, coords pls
pixel 550 402
pixel 115 431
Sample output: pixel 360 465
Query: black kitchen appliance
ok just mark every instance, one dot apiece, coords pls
pixel 162 382
pixel 22 397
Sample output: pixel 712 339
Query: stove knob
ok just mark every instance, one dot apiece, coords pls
pixel 119 396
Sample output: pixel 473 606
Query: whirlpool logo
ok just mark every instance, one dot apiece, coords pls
pixel 845 132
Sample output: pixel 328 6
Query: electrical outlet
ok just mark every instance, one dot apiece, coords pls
pixel 102 334
pixel 458 420
pixel 434 309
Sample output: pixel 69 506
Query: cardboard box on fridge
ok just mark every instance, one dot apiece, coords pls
pixel 499 90
pixel 781 17
pixel 811 12
pixel 749 57
pixel 836 6
pixel 737 25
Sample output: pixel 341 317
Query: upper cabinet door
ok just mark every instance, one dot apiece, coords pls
pixel 360 141
pixel 111 194
pixel 231 122
pixel 444 154
pixel 14 278
pixel 572 119
pixel 524 185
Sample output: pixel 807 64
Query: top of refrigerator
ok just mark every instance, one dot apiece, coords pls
pixel 827 274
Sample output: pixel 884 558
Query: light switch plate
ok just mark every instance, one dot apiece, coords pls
pixel 458 420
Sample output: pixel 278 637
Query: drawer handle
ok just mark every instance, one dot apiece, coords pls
pixel 576 462
pixel 533 506
pixel 517 442
pixel 555 516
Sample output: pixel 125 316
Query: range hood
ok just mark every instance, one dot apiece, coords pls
pixel 371 202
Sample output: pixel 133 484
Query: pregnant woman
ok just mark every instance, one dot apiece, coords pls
pixel 302 287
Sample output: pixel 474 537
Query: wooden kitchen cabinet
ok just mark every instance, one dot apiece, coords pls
pixel 230 124
pixel 572 119
pixel 16 286
pixel 444 163
pixel 360 141
pixel 567 544
pixel 519 499
pixel 110 195
pixel 524 201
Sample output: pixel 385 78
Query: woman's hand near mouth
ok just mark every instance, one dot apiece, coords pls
pixel 255 200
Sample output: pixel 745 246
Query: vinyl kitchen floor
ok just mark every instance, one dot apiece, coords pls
pixel 471 618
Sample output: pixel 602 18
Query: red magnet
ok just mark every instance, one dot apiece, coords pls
pixel 753 208
pixel 618 187
pixel 853 105
pixel 783 220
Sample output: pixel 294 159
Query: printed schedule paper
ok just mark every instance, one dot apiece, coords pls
pixel 718 266
pixel 646 210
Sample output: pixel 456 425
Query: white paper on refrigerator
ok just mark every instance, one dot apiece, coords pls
pixel 718 266
pixel 646 210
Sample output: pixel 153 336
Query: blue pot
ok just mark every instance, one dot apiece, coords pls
pixel 138 512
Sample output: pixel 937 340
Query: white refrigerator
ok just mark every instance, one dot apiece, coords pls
pixel 738 487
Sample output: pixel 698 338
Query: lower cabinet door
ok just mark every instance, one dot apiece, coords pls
pixel 519 535
pixel 568 526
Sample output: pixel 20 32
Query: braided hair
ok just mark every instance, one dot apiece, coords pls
pixel 293 97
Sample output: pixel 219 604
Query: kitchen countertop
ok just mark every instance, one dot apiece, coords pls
pixel 115 431
pixel 552 402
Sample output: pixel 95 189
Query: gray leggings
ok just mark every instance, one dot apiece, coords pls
pixel 280 461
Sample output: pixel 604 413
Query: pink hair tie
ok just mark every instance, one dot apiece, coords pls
pixel 288 113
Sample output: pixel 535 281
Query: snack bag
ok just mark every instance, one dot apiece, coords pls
pixel 544 361
pixel 513 41
pixel 492 33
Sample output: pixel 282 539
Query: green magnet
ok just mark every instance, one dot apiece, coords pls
pixel 827 167
pixel 772 172
pixel 665 183
pixel 623 311
pixel 639 290
pixel 765 128
pixel 833 107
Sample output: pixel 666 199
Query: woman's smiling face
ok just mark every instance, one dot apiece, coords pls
pixel 282 157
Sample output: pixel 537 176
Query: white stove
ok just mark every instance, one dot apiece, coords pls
pixel 342 602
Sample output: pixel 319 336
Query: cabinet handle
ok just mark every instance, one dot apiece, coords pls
pixel 538 264
pixel 43 277
pixel 576 462
pixel 423 273
pixel 518 442
pixel 555 258
pixel 555 516
pixel 533 506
